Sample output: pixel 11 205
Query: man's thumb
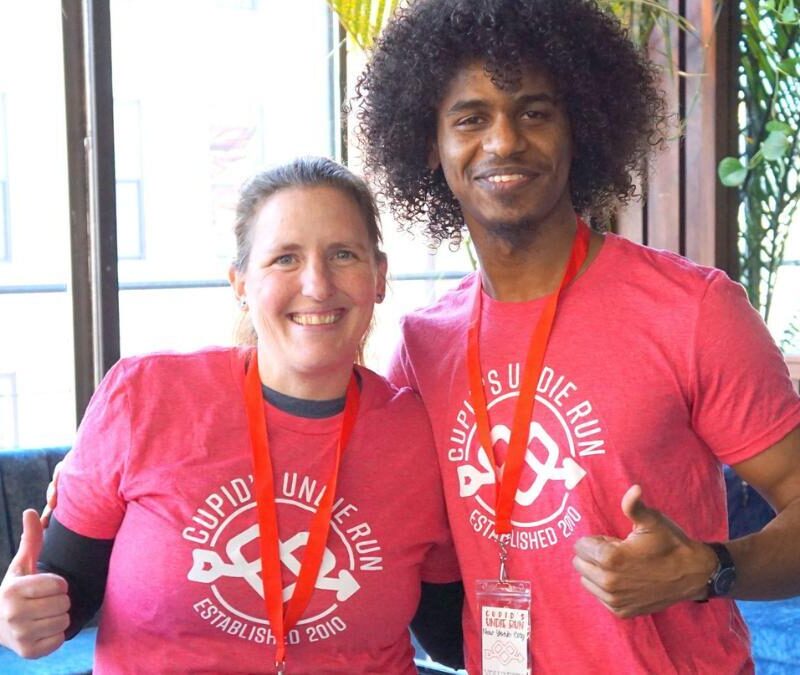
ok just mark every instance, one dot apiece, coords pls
pixel 30 544
pixel 636 510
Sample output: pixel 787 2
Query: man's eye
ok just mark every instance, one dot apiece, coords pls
pixel 536 114
pixel 469 121
pixel 285 259
pixel 344 254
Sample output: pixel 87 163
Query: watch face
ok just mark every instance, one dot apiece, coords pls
pixel 723 583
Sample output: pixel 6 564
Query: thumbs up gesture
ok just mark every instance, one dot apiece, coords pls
pixel 33 607
pixel 655 566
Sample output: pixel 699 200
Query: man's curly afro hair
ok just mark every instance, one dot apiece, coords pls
pixel 608 87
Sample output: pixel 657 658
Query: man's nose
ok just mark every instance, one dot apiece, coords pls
pixel 503 138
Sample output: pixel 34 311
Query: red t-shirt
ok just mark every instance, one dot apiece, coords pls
pixel 162 463
pixel 657 371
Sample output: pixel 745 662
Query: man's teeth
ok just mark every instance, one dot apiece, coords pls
pixel 316 319
pixel 506 177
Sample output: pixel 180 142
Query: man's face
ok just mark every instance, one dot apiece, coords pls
pixel 505 154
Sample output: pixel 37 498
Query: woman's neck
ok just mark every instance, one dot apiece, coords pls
pixel 316 386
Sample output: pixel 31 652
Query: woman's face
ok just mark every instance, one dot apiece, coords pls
pixel 310 283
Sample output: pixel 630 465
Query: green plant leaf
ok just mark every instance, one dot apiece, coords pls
pixel 777 125
pixel 790 66
pixel 789 14
pixel 775 145
pixel 731 172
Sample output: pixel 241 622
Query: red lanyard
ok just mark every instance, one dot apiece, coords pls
pixel 281 621
pixel 508 482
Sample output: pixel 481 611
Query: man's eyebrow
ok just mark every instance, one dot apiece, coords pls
pixel 468 104
pixel 479 103
pixel 525 99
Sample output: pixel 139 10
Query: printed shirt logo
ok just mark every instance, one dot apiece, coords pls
pixel 227 560
pixel 563 440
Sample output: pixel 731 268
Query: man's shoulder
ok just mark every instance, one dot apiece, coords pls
pixel 660 268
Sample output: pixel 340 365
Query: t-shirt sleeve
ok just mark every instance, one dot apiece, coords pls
pixel 441 564
pixel 400 371
pixel 90 501
pixel 743 401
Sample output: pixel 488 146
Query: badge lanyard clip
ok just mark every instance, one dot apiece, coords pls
pixel 502 541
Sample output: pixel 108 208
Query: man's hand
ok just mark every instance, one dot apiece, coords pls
pixel 655 566
pixel 33 607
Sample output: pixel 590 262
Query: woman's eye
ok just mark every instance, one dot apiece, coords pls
pixel 286 259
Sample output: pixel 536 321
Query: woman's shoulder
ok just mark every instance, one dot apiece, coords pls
pixel 181 369
pixel 378 394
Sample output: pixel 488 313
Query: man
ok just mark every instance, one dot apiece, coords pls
pixel 645 372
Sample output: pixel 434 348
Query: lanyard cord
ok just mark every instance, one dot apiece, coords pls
pixel 282 620
pixel 506 484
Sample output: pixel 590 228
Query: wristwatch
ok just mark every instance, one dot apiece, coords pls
pixel 723 578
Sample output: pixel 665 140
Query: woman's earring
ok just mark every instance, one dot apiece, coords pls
pixel 243 304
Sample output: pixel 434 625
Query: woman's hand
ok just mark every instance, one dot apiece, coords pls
pixel 52 496
pixel 34 608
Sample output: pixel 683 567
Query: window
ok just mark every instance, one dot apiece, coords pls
pixel 37 400
pixel 128 169
pixel 5 225
pixel 9 435
pixel 784 320
pixel 191 125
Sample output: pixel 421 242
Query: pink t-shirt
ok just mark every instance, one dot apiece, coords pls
pixel 162 463
pixel 657 371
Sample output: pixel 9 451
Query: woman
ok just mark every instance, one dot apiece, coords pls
pixel 224 481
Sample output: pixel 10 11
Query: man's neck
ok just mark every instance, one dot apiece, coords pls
pixel 528 268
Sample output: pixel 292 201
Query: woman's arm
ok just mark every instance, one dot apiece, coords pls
pixel 437 623
pixel 83 563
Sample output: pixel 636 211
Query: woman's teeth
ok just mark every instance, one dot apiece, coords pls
pixel 316 319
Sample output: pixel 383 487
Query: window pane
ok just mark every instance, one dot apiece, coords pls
pixel 4 224
pixel 784 320
pixel 130 228
pixel 9 425
pixel 36 349
pixel 245 89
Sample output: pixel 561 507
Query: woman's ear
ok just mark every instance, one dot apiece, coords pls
pixel 380 282
pixel 236 279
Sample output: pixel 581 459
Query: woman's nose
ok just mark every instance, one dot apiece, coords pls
pixel 317 280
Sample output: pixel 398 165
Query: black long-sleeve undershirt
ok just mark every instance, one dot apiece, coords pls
pixel 83 562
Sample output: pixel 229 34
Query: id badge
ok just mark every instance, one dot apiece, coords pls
pixel 505 619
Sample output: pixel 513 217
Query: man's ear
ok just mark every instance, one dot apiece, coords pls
pixel 433 156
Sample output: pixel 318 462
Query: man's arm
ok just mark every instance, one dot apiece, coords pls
pixel 768 562
pixel 657 565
